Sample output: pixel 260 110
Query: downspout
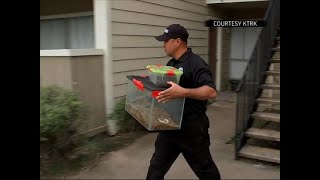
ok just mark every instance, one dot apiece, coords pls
pixel 219 58
pixel 103 35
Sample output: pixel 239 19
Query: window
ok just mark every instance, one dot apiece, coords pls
pixel 67 33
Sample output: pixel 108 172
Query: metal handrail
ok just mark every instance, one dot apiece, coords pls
pixel 249 87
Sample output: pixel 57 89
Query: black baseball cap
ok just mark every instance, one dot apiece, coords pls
pixel 173 31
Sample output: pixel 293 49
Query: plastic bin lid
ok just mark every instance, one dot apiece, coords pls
pixel 161 69
pixel 144 82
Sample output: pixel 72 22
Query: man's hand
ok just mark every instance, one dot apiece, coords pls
pixel 175 91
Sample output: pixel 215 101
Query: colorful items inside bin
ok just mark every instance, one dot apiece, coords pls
pixel 160 75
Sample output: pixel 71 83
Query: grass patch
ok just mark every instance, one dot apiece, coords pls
pixel 88 154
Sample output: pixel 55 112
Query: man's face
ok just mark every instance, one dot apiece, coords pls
pixel 170 46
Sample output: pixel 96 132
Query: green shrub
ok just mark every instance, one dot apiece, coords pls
pixel 124 120
pixel 60 111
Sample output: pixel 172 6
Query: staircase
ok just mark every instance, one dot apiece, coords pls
pixel 263 135
pixel 258 96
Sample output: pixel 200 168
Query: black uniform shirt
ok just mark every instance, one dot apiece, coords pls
pixel 196 73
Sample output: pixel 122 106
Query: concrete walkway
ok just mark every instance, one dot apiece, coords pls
pixel 132 162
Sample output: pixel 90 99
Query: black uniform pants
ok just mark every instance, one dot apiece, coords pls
pixel 193 142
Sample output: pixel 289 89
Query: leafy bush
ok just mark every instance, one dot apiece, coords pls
pixel 125 121
pixel 60 111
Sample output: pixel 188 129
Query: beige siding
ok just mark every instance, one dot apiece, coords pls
pixel 87 76
pixel 120 90
pixel 183 5
pixel 55 71
pixel 148 8
pixel 122 28
pixel 155 20
pixel 117 99
pixel 121 77
pixel 84 74
pixel 136 64
pixel 197 2
pixel 149 41
pixel 136 22
pixel 135 53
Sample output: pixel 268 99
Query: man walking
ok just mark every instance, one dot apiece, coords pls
pixel 197 86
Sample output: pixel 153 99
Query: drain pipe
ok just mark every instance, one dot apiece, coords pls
pixel 103 35
pixel 219 58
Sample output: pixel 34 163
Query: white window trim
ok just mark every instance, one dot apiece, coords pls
pixel 68 15
pixel 71 52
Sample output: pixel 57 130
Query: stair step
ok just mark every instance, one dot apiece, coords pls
pixel 278 38
pixel 266 134
pixel 275 117
pixel 272 73
pixel 260 153
pixel 276 49
pixel 274 60
pixel 268 100
pixel 271 86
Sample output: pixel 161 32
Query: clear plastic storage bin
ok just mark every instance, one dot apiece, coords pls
pixel 160 75
pixel 142 105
